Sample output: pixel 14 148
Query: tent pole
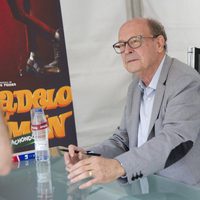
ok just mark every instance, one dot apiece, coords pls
pixel 134 8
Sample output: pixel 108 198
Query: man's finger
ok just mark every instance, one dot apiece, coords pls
pixel 88 183
pixel 81 170
pixel 80 177
pixel 80 164
pixel 72 149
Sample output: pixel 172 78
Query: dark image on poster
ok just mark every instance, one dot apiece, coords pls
pixel 34 71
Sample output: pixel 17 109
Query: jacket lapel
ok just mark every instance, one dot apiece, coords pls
pixel 136 114
pixel 160 90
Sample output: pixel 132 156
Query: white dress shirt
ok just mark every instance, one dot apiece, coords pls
pixel 146 105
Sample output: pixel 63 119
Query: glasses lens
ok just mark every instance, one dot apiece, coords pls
pixel 135 41
pixel 119 47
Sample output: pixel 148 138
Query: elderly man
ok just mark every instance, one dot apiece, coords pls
pixel 160 126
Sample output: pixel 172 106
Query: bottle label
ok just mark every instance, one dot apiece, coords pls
pixel 39 126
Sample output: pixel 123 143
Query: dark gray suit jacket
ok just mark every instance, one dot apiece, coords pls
pixel 173 146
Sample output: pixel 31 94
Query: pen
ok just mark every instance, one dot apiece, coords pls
pixel 89 153
pixel 22 157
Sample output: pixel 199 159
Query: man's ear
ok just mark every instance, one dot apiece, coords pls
pixel 160 43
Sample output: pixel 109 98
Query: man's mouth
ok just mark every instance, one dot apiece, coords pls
pixel 131 60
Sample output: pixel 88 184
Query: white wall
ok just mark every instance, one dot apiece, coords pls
pixel 99 81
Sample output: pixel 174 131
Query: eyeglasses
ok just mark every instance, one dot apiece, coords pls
pixel 133 42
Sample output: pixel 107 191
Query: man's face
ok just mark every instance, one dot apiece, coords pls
pixel 143 60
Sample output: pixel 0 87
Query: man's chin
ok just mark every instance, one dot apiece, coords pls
pixel 132 68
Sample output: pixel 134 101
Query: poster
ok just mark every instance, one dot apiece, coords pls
pixel 34 71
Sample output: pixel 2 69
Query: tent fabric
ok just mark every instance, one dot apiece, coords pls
pixel 99 81
pixel 181 21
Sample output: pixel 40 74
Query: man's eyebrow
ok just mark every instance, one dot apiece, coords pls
pixel 121 41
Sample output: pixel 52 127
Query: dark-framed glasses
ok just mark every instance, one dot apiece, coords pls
pixel 133 42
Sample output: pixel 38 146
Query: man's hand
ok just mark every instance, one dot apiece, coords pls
pixel 71 158
pixel 101 170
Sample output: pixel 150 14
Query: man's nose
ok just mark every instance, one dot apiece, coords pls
pixel 128 49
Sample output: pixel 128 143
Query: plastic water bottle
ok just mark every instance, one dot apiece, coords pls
pixel 40 131
pixel 44 181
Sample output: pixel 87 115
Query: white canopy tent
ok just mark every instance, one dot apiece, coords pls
pixel 99 81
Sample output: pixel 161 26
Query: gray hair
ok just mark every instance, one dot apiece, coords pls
pixel 157 29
